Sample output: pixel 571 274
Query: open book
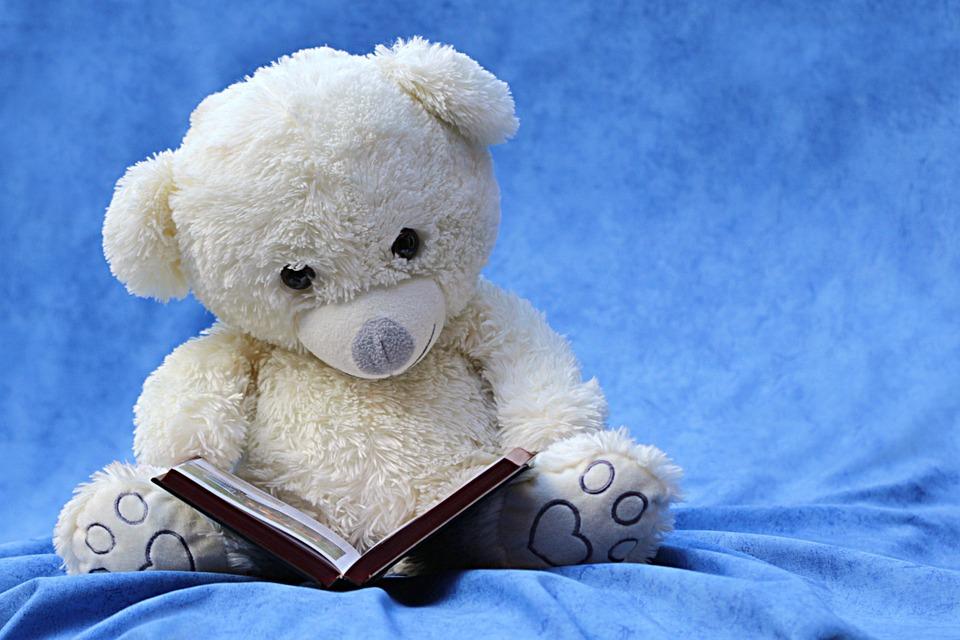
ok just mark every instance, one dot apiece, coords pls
pixel 303 543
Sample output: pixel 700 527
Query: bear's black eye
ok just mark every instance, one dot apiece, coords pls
pixel 406 245
pixel 298 279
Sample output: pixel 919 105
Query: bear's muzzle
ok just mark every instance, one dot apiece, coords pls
pixel 381 333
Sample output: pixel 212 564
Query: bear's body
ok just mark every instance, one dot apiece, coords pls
pixel 416 432
pixel 334 212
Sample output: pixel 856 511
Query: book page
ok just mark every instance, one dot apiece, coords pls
pixel 266 508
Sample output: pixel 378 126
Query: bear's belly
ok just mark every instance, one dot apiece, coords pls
pixel 364 456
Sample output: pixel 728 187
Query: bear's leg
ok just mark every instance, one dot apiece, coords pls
pixel 596 497
pixel 120 521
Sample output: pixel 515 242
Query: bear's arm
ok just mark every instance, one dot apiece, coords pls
pixel 198 402
pixel 533 374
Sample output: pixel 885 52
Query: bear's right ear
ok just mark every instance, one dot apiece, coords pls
pixel 452 87
pixel 139 237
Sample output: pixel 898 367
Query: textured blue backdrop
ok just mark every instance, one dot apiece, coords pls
pixel 744 216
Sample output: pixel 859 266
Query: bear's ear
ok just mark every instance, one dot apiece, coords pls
pixel 452 87
pixel 139 238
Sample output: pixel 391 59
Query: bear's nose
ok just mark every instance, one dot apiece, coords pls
pixel 381 346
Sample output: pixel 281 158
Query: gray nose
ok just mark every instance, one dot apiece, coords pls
pixel 381 346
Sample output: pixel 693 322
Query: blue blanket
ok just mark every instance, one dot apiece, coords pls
pixel 745 218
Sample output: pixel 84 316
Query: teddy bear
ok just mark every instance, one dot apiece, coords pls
pixel 334 212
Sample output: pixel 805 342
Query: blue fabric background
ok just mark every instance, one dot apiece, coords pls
pixel 744 216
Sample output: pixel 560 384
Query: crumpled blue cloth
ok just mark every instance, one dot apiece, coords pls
pixel 714 584
pixel 745 217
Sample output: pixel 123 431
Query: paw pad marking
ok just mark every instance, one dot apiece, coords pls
pixel 548 540
pixel 131 508
pixel 100 539
pixel 631 501
pixel 570 553
pixel 598 481
pixel 166 534
pixel 622 549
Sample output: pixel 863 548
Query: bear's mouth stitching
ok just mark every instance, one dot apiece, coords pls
pixel 425 347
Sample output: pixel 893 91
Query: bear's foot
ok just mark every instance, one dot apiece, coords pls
pixel 120 521
pixel 595 497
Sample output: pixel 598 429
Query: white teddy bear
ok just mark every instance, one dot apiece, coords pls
pixel 334 212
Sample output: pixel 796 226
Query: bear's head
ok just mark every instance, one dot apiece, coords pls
pixel 342 205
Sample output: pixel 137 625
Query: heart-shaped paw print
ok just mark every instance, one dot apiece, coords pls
pixel 555 535
pixel 171 546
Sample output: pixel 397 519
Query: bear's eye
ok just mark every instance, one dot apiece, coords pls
pixel 406 245
pixel 297 279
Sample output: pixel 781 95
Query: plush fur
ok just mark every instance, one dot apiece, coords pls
pixel 320 160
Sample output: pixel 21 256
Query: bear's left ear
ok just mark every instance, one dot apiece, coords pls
pixel 452 87
pixel 139 237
